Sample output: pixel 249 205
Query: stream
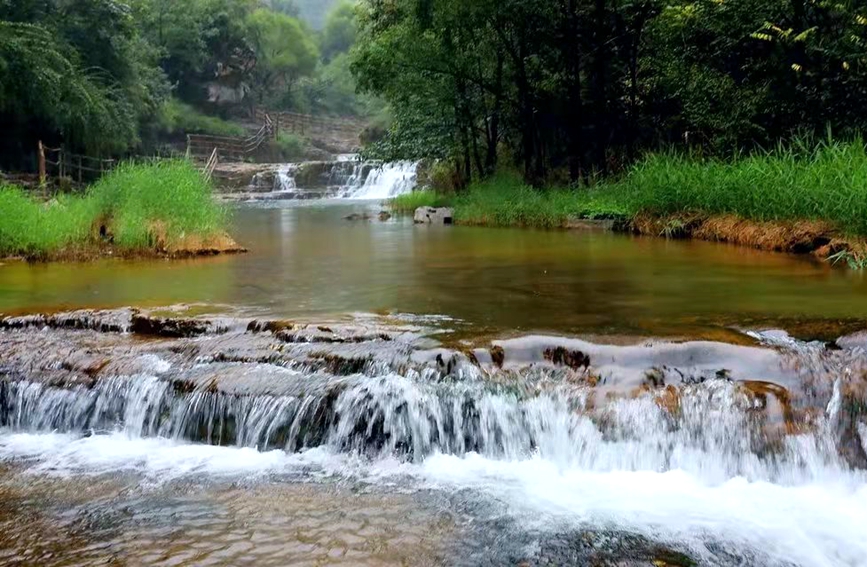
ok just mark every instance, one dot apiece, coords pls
pixel 367 392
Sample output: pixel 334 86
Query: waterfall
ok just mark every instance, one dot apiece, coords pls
pixel 695 455
pixel 384 182
pixel 284 180
pixel 347 178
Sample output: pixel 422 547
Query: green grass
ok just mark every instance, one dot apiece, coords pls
pixel 825 181
pixel 177 117
pixel 504 200
pixel 134 202
pixel 290 146
pixel 409 202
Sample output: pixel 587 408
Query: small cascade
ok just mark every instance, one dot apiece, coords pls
pixel 714 435
pixel 666 439
pixel 284 180
pixel 385 181
pixel 348 178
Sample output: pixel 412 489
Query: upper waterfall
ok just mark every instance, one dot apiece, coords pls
pixel 383 182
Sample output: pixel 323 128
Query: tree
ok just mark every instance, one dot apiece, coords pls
pixel 284 50
pixel 340 30
pixel 76 73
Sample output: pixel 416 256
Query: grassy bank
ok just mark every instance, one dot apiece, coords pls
pixel 791 199
pixel 135 209
pixel 827 183
pixel 409 202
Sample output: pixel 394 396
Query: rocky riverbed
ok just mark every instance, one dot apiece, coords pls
pixel 468 430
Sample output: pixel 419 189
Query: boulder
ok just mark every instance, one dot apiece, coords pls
pixel 433 215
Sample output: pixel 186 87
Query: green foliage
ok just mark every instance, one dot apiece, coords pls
pixel 41 84
pixel 285 52
pixel 340 31
pixel 505 200
pixel 174 194
pixel 31 228
pixel 409 202
pixel 588 86
pixel 314 12
pixel 290 146
pixel 825 182
pixel 176 117
pixel 134 201
pixel 333 92
pixel 198 41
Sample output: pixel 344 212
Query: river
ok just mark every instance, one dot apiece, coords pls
pixel 374 392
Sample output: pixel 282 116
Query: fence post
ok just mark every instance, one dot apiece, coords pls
pixel 41 164
pixel 79 169
pixel 60 169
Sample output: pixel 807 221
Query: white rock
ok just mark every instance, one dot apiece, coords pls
pixel 432 215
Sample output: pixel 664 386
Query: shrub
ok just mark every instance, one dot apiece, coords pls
pixel 290 146
pixel 177 117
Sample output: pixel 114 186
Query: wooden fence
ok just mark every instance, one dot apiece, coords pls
pixel 57 162
pixel 308 125
pixel 80 169
pixel 200 146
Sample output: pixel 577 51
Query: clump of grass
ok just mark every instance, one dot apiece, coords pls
pixel 173 194
pixel 177 117
pixel 504 200
pixel 32 228
pixel 138 205
pixel 409 202
pixel 290 146
pixel 827 181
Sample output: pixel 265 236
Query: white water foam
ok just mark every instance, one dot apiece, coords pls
pixel 819 523
pixel 284 180
pixel 689 482
pixel 158 459
pixel 384 182
pixel 814 524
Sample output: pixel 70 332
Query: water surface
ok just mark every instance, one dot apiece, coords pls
pixel 307 261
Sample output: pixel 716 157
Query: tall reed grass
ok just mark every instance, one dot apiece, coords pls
pixel 827 181
pixel 409 202
pixel 137 204
pixel 822 181
pixel 504 200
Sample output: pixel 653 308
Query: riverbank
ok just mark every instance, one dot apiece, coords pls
pixel 801 201
pixel 163 209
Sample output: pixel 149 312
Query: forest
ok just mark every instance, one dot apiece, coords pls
pixel 568 90
pixel 115 78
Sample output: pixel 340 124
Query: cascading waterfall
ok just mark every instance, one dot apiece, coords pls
pixel 385 181
pixel 284 179
pixel 714 435
pixel 705 463
pixel 346 178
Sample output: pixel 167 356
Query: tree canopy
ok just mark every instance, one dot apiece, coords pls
pixel 582 86
pixel 101 75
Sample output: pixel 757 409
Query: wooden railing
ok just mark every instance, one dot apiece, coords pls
pixel 200 145
pixel 57 162
pixel 66 166
pixel 306 124
pixel 211 164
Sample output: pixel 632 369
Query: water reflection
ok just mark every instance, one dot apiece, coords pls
pixel 308 261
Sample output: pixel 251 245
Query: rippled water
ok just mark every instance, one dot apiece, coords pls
pixel 358 439
pixel 307 261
